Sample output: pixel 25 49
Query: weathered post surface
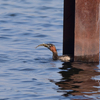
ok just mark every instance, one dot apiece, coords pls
pixel 86 31
pixel 68 29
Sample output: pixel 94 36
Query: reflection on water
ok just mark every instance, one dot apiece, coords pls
pixel 27 73
pixel 79 79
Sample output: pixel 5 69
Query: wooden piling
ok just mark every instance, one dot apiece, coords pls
pixel 81 30
pixel 68 29
pixel 86 30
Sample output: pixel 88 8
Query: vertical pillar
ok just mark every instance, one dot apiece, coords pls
pixel 86 31
pixel 68 29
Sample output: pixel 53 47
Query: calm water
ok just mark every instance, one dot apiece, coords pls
pixel 27 73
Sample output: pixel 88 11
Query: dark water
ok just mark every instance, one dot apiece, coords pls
pixel 27 73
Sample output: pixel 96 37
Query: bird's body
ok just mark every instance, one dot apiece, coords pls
pixel 51 47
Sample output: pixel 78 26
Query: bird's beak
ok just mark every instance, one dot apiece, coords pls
pixel 45 45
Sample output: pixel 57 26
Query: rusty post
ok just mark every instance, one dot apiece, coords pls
pixel 68 30
pixel 86 30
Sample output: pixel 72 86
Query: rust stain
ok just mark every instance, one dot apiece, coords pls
pixel 87 30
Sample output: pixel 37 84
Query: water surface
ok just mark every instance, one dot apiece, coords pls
pixel 27 73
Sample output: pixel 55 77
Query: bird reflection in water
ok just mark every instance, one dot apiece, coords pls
pixel 77 79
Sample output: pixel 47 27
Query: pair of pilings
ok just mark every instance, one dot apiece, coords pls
pixel 81 30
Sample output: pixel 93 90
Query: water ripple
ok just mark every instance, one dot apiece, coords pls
pixel 27 73
pixel 4 58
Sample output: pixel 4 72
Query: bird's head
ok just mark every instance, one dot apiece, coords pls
pixel 51 47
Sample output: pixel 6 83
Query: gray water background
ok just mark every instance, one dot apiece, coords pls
pixel 27 73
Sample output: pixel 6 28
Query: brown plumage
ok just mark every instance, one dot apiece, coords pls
pixel 51 47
